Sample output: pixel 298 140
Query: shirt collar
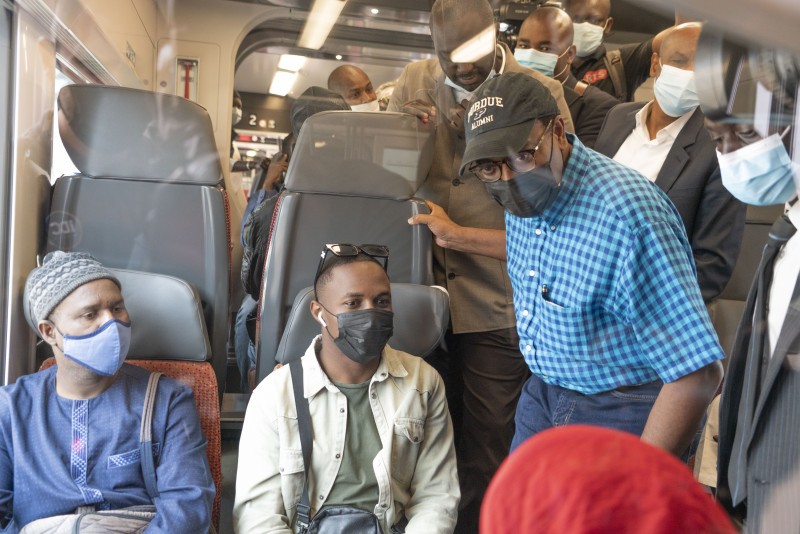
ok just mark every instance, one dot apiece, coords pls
pixel 666 134
pixel 794 214
pixel 315 379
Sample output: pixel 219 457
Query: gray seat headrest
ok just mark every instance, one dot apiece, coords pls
pixel 123 133
pixel 421 316
pixel 368 154
pixel 167 320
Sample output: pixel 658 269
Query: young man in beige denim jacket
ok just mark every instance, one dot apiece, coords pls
pixel 382 435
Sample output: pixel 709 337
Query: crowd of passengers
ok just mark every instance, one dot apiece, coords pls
pixel 579 237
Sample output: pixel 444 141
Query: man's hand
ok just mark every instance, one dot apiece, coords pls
pixel 276 167
pixel 441 226
pixel 420 109
pixel 491 243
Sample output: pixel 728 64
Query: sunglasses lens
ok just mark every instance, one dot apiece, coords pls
pixel 375 250
pixel 344 249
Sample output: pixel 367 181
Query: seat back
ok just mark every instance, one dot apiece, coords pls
pixel 421 316
pixel 351 180
pixel 726 311
pixel 148 196
pixel 168 335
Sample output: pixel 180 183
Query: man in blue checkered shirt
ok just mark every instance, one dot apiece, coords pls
pixel 609 314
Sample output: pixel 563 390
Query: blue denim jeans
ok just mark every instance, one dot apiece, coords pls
pixel 542 406
pixel 242 346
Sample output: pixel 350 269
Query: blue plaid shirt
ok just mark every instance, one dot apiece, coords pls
pixel 605 288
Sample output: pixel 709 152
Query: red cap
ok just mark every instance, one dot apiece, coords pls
pixel 579 479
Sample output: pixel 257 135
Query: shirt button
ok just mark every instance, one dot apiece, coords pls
pixel 451 276
pixel 337 455
pixel 538 231
pixel 528 348
pixel 373 395
pixel 524 313
pixel 532 272
pixel 383 374
pixel 341 410
pixel 416 439
pixel 456 182
pixel 553 227
pixel 322 497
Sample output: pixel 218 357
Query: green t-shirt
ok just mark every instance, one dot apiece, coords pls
pixel 355 483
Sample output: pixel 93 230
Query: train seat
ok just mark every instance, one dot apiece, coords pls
pixel 168 335
pixel 726 311
pixel 421 316
pixel 148 196
pixel 351 180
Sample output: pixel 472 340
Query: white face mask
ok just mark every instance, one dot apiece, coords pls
pixel 463 94
pixel 588 37
pixel 236 116
pixel 761 173
pixel 367 106
pixel 676 91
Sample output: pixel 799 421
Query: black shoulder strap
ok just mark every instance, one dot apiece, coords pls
pixel 306 440
pixel 146 437
pixel 615 68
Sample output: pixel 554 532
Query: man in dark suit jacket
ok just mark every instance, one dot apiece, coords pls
pixel 545 44
pixel 759 415
pixel 666 141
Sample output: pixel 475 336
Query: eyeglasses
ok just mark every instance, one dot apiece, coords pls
pixel 487 170
pixel 378 252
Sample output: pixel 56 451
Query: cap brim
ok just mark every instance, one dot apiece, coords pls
pixel 497 143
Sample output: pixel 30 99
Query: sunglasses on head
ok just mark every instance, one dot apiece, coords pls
pixel 377 252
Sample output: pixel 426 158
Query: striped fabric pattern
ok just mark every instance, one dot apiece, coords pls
pixel 605 288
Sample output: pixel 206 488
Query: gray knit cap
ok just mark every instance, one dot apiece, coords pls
pixel 61 273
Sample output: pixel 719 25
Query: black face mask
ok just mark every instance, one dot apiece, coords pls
pixel 527 194
pixel 363 334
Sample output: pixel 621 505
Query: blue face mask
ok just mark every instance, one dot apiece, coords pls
pixel 760 174
pixel 539 61
pixel 102 351
pixel 676 91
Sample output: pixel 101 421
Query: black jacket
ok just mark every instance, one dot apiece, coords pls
pixel 713 218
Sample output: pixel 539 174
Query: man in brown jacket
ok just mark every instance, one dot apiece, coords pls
pixel 483 345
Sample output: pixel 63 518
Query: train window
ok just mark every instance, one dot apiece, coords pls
pixel 62 164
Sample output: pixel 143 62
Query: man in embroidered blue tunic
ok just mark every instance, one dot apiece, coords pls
pixel 69 436
pixel 609 314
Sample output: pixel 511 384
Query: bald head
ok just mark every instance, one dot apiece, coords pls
pixel 549 30
pixel 452 11
pixel 592 11
pixel 679 46
pixel 353 84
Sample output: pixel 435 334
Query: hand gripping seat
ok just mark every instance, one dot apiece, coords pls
pixel 168 335
pixel 148 196
pixel 421 316
pixel 351 180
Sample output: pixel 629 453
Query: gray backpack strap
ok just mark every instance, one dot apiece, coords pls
pixel 306 441
pixel 146 437
pixel 616 70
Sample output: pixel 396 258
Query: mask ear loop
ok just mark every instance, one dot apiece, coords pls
pixel 322 321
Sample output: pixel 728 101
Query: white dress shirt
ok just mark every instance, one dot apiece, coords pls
pixel 646 155
pixel 784 278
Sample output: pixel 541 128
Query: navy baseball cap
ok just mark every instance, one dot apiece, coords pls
pixel 501 116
